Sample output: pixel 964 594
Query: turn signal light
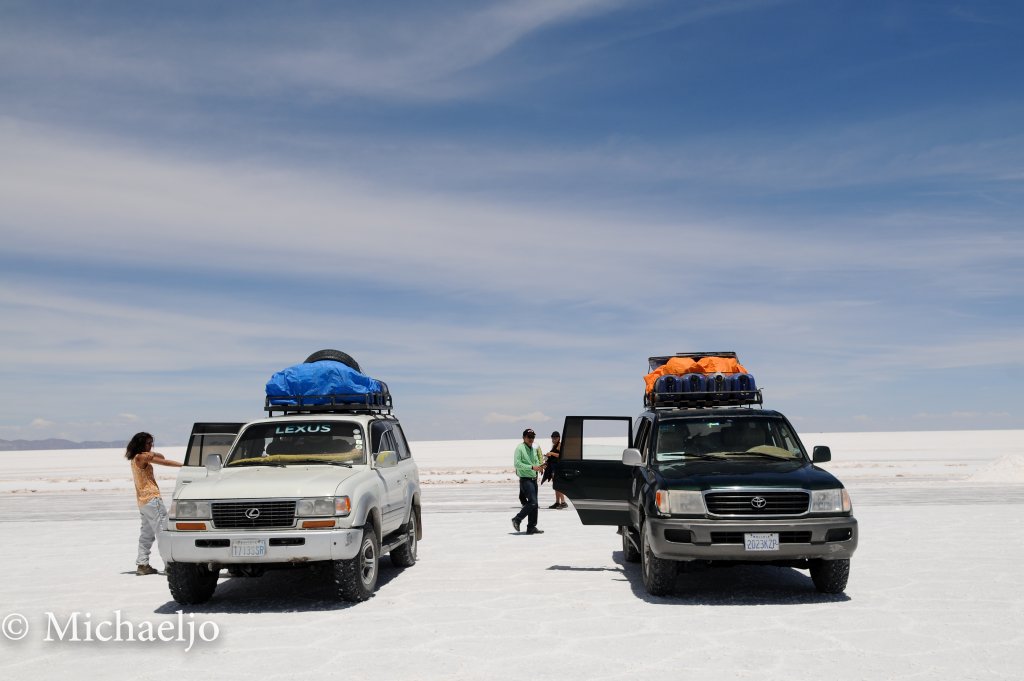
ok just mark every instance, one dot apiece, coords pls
pixel 312 524
pixel 190 526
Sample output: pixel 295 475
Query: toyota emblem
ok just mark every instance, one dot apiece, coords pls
pixel 252 513
pixel 758 502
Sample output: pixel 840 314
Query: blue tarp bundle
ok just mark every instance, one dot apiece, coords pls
pixel 320 378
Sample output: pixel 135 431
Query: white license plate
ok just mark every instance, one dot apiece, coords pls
pixel 761 541
pixel 248 548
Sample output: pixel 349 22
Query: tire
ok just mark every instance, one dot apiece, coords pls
pixel 659 574
pixel 191 583
pixel 405 555
pixel 830 576
pixel 355 579
pixel 335 356
pixel 629 552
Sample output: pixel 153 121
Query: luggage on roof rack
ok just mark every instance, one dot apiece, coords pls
pixel 325 387
pixel 699 379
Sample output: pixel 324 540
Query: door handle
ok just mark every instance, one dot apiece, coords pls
pixel 568 474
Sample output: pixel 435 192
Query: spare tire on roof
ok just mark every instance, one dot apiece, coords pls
pixel 335 356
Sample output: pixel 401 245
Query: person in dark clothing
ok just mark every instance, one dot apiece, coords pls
pixel 550 466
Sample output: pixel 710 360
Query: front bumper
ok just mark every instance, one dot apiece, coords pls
pixel 800 539
pixel 283 546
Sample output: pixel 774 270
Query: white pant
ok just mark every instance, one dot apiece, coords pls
pixel 153 517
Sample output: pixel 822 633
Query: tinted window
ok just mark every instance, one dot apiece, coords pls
pixel 403 444
pixel 726 437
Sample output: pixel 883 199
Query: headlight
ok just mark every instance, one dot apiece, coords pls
pixel 831 501
pixel 323 506
pixel 184 508
pixel 679 501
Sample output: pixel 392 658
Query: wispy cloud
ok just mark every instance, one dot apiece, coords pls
pixel 407 51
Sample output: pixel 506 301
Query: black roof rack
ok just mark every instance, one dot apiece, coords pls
pixel 703 400
pixel 368 403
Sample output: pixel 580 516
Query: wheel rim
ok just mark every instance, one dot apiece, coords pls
pixel 412 536
pixel 368 563
pixel 644 559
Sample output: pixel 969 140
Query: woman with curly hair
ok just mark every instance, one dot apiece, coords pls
pixel 151 507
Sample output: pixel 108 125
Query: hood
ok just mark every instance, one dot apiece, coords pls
pixel 753 472
pixel 262 482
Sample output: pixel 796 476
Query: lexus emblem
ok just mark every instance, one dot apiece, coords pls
pixel 758 502
pixel 252 513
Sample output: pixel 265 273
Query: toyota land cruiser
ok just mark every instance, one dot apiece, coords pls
pixel 709 476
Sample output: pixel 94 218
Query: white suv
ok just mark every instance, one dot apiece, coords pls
pixel 333 485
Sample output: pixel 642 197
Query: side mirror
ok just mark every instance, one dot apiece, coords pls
pixel 386 459
pixel 632 457
pixel 821 454
pixel 213 463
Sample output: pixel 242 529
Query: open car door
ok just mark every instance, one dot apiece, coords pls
pixel 590 470
pixel 206 439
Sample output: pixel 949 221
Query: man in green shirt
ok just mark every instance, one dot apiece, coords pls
pixel 527 463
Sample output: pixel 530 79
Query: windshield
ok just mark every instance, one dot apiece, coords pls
pixel 305 442
pixel 726 437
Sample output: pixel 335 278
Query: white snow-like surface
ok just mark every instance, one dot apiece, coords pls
pixel 934 591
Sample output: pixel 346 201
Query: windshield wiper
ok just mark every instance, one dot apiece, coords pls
pixel 781 457
pixel 346 464
pixel 697 455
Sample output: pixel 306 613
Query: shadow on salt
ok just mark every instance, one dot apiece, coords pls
pixel 733 585
pixel 287 590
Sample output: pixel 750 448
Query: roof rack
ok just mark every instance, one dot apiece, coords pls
pixel 368 403
pixel 703 400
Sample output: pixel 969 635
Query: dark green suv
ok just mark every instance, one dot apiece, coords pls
pixel 711 484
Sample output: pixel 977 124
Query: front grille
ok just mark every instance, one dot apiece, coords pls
pixel 750 503
pixel 247 515
pixel 794 537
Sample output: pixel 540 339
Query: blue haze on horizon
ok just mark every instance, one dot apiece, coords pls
pixel 503 208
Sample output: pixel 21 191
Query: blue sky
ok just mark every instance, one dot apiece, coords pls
pixel 502 209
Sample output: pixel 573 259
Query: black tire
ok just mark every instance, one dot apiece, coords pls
pixel 334 356
pixel 191 583
pixel 659 574
pixel 629 552
pixel 830 576
pixel 355 579
pixel 405 555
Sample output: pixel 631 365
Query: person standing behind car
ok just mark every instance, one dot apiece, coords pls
pixel 147 493
pixel 527 463
pixel 550 465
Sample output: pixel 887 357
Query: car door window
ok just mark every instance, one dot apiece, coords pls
pixel 643 433
pixel 403 444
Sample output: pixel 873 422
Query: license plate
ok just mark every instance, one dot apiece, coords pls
pixel 761 541
pixel 248 548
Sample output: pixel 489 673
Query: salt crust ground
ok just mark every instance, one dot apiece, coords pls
pixel 934 594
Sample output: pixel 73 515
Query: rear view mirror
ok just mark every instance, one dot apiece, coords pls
pixel 821 454
pixel 213 463
pixel 386 459
pixel 632 457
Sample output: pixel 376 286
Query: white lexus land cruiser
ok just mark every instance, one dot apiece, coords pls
pixel 329 481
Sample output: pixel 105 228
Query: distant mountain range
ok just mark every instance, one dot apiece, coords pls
pixel 56 443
